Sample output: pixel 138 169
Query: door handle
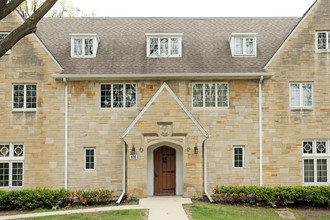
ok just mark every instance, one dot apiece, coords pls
pixel 156 175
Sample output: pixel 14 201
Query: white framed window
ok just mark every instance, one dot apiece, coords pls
pixel 164 45
pixel 238 156
pixel 118 95
pixel 210 95
pixel 84 45
pixel 89 158
pixel 301 94
pixel 11 165
pixel 24 97
pixel 2 36
pixel 323 41
pixel 316 160
pixel 243 44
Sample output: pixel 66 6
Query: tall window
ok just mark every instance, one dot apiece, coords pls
pixel 118 95
pixel 210 95
pixel 11 164
pixel 323 41
pixel 24 96
pixel 238 156
pixel 89 158
pixel 316 159
pixel 163 46
pixel 301 94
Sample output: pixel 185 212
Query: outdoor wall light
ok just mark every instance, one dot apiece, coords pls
pixel 188 149
pixel 196 149
pixel 133 150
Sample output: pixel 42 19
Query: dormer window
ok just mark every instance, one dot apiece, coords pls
pixel 164 45
pixel 243 44
pixel 84 45
pixel 2 36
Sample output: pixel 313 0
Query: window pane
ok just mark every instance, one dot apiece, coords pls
pixel 308 170
pixel 198 95
pixel 174 46
pixel 2 36
pixel 17 174
pixel 118 95
pixel 163 46
pixel 321 170
pixel 321 147
pixel 18 96
pixel 89 47
pixel 153 46
pixel 210 95
pixel 249 46
pixel 130 95
pixel 4 174
pixel 308 147
pixel 239 45
pixel 321 41
pixel 222 91
pixel 4 150
pixel 31 96
pixel 78 47
pixel 106 96
pixel 307 94
pixel 295 94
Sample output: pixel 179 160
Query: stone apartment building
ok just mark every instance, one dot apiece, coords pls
pixel 154 106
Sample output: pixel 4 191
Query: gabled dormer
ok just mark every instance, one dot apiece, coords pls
pixel 164 44
pixel 243 44
pixel 84 45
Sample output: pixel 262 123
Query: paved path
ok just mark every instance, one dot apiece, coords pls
pixel 164 207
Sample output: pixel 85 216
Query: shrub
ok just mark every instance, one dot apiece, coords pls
pixel 282 195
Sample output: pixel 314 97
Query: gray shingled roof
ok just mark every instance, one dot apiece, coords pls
pixel 205 46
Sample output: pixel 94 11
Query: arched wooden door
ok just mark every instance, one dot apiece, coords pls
pixel 164 171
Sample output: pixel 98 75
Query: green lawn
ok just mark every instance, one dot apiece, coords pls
pixel 122 215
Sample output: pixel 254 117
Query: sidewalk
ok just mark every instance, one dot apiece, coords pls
pixel 160 207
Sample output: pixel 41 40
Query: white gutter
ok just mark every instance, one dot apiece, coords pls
pixel 205 171
pixel 66 137
pixel 124 173
pixel 260 126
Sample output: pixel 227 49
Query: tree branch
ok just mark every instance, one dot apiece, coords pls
pixel 28 27
pixel 6 9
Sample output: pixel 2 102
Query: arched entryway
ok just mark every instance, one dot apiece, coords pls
pixel 165 172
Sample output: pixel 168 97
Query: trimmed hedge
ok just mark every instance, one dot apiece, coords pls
pixel 46 198
pixel 318 196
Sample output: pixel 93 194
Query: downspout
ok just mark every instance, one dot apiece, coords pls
pixel 260 126
pixel 124 173
pixel 205 171
pixel 66 137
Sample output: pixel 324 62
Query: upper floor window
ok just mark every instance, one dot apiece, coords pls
pixel 84 45
pixel 24 97
pixel 118 95
pixel 210 94
pixel 243 44
pixel 301 94
pixel 2 36
pixel 164 45
pixel 323 41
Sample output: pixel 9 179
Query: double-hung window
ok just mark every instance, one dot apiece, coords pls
pixel 89 155
pixel 238 156
pixel 84 45
pixel 118 95
pixel 25 97
pixel 2 36
pixel 11 164
pixel 164 45
pixel 242 44
pixel 323 41
pixel 301 94
pixel 210 94
pixel 316 159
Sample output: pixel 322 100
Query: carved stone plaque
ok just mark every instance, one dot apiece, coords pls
pixel 165 129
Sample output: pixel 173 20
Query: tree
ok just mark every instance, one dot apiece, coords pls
pixel 29 26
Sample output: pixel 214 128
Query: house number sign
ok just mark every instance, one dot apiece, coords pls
pixel 133 157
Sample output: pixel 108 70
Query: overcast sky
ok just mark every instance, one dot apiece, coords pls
pixel 194 8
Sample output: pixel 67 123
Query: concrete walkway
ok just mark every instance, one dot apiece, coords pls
pixel 163 207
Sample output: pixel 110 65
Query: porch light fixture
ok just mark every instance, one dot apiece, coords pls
pixel 133 150
pixel 196 149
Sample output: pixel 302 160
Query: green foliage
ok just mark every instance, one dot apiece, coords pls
pixel 318 196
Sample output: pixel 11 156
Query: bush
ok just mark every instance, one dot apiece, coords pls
pixel 318 196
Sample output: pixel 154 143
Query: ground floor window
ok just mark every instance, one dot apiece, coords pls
pixel 11 164
pixel 89 158
pixel 238 156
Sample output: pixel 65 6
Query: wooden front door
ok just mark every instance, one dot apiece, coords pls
pixel 164 171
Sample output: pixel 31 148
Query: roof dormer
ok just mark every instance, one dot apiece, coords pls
pixel 84 45
pixel 243 44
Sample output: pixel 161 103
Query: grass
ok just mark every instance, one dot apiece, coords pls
pixel 122 215
pixel 207 211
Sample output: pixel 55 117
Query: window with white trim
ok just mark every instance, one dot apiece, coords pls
pixel 118 95
pixel 89 155
pixel 238 156
pixel 11 164
pixel 3 35
pixel 243 44
pixel 210 94
pixel 24 96
pixel 323 41
pixel 164 45
pixel 84 45
pixel 301 94
pixel 316 160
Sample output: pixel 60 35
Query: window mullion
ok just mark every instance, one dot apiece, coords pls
pixel 244 45
pixel 111 95
pixel 216 94
pixel 124 94
pixel 301 95
pixel 158 46
pixel 169 46
pixel 10 184
pixel 315 170
pixel 203 94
